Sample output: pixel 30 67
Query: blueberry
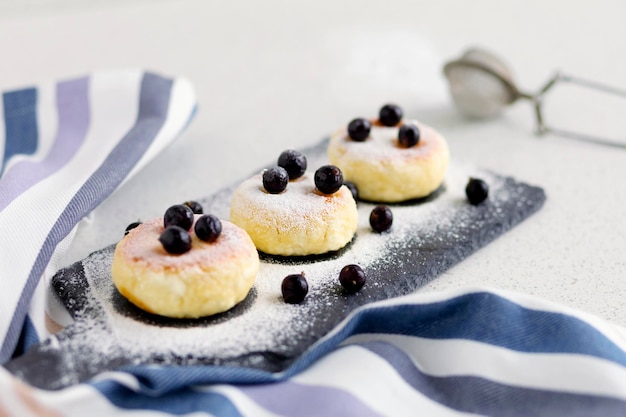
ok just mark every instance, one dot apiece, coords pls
pixel 328 179
pixel 352 187
pixel 208 228
pixel 294 288
pixel 381 218
pixel 352 278
pixel 294 162
pixel 194 206
pixel 408 135
pixel 476 191
pixel 275 180
pixel 390 115
pixel 175 240
pixel 131 227
pixel 359 129
pixel 178 215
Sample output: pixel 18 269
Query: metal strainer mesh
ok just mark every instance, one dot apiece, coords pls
pixel 481 86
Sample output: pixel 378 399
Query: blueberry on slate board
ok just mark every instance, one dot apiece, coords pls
pixel 294 288
pixel 476 191
pixel 352 278
pixel 381 218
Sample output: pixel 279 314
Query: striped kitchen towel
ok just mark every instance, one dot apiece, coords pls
pixel 466 352
pixel 64 148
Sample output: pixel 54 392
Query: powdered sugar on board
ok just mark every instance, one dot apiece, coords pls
pixel 263 332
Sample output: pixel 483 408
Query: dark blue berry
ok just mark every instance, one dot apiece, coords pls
pixel 175 240
pixel 476 191
pixel 178 215
pixel 408 135
pixel 275 180
pixel 381 218
pixel 352 278
pixel 328 179
pixel 208 227
pixel 194 206
pixel 294 288
pixel 352 187
pixel 390 115
pixel 294 162
pixel 131 227
pixel 359 129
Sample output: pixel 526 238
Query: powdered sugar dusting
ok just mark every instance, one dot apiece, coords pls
pixel 300 197
pixel 142 246
pixel 382 144
pixel 426 238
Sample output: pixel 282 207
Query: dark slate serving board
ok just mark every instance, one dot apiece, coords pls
pixel 427 238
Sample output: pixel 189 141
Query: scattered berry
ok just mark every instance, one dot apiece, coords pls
pixel 131 227
pixel 294 162
pixel 476 191
pixel 352 187
pixel 275 180
pixel 175 240
pixel 178 215
pixel 408 135
pixel 328 179
pixel 294 288
pixel 352 278
pixel 359 129
pixel 208 228
pixel 381 218
pixel 194 206
pixel 390 115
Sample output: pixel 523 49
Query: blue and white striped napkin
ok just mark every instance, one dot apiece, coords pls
pixel 67 146
pixel 64 148
pixel 460 353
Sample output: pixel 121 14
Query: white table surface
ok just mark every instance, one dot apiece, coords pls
pixel 276 74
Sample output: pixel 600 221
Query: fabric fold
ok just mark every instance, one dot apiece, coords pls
pixel 395 358
pixel 110 124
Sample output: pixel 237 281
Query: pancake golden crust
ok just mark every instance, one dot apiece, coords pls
pixel 299 221
pixel 209 279
pixel 383 171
